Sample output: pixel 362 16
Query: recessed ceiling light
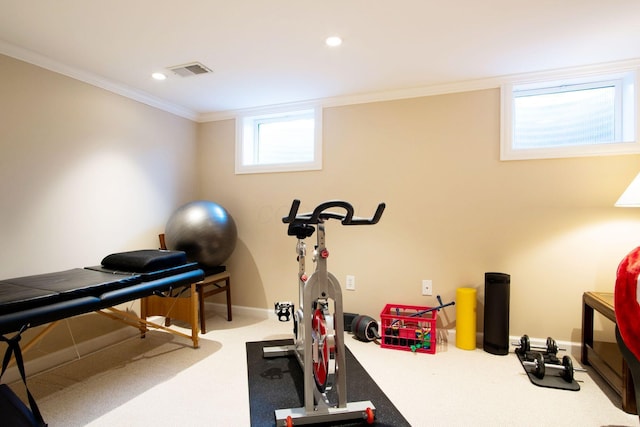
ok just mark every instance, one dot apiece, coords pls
pixel 158 76
pixel 333 41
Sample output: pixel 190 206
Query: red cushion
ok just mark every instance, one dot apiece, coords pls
pixel 627 308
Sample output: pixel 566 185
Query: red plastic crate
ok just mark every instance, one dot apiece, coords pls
pixel 407 327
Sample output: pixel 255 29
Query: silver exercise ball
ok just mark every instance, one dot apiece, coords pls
pixel 204 230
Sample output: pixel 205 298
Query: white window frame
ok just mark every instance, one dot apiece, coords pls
pixel 247 137
pixel 627 141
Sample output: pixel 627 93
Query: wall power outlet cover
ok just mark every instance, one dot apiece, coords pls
pixel 427 287
pixel 350 283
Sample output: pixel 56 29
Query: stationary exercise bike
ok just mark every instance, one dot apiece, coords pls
pixel 318 326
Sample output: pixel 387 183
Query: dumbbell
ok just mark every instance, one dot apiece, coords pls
pixel 525 345
pixel 540 367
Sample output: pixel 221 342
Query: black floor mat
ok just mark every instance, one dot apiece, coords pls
pixel 277 383
pixel 551 378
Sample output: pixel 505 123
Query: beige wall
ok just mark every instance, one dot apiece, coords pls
pixel 454 212
pixel 83 172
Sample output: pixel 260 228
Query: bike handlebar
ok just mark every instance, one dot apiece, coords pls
pixel 319 215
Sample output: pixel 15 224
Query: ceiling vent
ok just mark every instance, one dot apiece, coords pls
pixel 192 69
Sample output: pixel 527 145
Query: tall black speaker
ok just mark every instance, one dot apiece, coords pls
pixel 496 313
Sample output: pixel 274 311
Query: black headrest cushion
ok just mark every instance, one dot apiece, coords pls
pixel 144 260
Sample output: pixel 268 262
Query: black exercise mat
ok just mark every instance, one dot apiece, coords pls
pixel 277 383
pixel 551 378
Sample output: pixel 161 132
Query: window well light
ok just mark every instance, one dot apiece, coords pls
pixel 631 196
pixel 158 76
pixel 333 41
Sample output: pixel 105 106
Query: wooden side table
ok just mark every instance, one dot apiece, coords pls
pixel 605 357
pixel 211 285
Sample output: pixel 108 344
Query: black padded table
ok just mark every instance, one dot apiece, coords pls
pixel 35 300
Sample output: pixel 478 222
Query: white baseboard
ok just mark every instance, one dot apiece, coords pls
pixel 69 354
pixel 444 335
pixel 567 347
pixel 260 313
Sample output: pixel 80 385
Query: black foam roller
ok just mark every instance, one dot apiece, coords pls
pixel 496 313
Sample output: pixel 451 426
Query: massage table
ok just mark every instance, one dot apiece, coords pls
pixel 30 301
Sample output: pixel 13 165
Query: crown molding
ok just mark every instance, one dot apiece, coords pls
pixel 440 89
pixel 94 80
pixel 416 92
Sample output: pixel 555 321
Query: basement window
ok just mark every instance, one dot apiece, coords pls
pixel 570 117
pixel 279 141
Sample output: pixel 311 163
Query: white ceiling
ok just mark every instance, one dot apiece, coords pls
pixel 266 52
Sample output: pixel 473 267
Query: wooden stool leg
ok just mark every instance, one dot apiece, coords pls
pixel 194 315
pixel 203 326
pixel 228 284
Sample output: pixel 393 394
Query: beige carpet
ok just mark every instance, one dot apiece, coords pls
pixel 162 381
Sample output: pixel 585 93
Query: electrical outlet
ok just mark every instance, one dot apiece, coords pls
pixel 351 283
pixel 427 287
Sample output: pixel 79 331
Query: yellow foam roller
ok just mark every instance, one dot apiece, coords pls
pixel 466 318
